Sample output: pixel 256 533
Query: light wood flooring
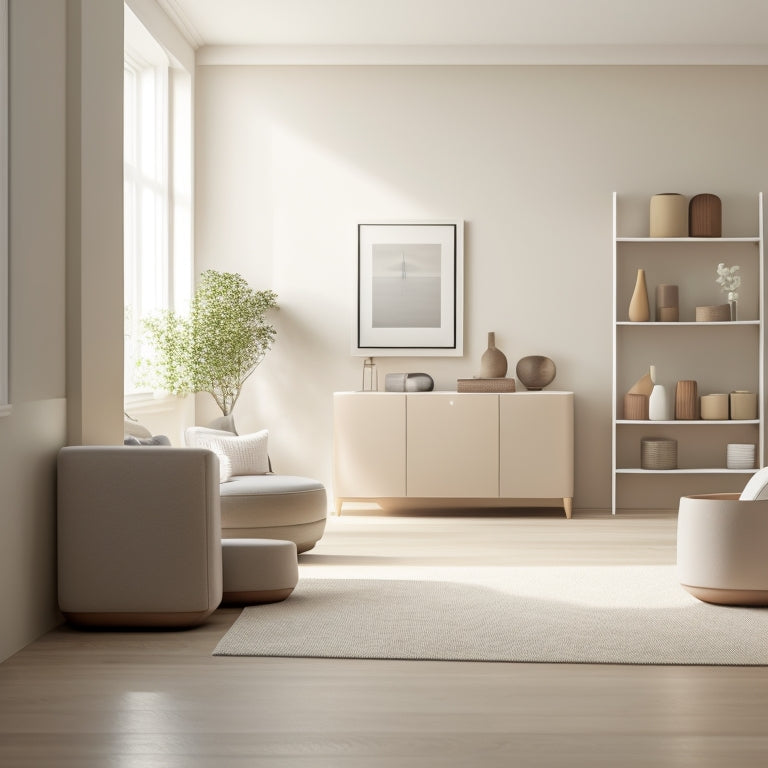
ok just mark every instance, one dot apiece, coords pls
pixel 144 699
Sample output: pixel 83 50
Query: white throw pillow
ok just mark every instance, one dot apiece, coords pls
pixel 239 454
pixel 757 487
pixel 192 439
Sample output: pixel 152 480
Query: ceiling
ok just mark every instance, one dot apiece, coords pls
pixel 721 28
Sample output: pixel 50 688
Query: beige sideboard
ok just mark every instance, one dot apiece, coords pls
pixel 447 445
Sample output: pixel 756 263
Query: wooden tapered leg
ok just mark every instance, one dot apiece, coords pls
pixel 568 506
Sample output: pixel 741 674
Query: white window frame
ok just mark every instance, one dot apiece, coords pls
pixel 168 182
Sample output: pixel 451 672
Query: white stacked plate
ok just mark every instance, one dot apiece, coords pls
pixel 740 456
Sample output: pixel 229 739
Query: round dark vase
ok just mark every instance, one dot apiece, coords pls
pixel 536 372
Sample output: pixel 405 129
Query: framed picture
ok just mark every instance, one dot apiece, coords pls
pixel 410 280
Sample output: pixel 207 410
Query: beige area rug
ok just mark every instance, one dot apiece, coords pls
pixel 607 615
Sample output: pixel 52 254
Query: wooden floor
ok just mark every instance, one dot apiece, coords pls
pixel 160 699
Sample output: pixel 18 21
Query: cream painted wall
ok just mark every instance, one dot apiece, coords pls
pixel 65 254
pixel 289 159
pixel 31 435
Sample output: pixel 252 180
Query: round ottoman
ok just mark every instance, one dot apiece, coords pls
pixel 274 507
pixel 258 570
pixel 722 549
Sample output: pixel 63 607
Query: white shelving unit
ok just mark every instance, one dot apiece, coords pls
pixel 720 356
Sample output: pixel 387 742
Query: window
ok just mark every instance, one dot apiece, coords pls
pixel 157 187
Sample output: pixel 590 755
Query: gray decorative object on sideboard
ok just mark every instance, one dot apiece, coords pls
pixel 408 382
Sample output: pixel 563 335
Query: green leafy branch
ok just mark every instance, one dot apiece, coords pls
pixel 217 347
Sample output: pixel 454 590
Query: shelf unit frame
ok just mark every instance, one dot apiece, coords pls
pixel 617 423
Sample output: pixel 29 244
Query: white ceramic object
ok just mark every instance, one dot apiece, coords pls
pixel 658 404
pixel 658 400
pixel 740 456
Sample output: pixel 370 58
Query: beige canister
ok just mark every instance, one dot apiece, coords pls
pixel 667 303
pixel 714 407
pixel 743 404
pixel 669 215
pixel 658 453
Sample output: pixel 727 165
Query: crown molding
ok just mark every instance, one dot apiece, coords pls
pixel 181 21
pixel 483 55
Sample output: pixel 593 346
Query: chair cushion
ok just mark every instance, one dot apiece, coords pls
pixel 270 485
pixel 262 501
pixel 757 487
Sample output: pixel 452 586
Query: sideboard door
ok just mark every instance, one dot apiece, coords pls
pixel 536 445
pixel 453 445
pixel 369 445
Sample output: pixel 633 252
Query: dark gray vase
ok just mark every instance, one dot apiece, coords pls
pixel 224 423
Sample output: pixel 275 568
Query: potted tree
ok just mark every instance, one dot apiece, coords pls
pixel 216 347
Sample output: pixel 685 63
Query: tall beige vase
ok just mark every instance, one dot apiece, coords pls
pixel 493 363
pixel 639 307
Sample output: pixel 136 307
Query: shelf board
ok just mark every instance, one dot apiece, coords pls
pixel 687 422
pixel 691 471
pixel 687 239
pixel 654 323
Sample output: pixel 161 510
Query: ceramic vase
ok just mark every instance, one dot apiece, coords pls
pixel 669 215
pixel 639 308
pixel 714 407
pixel 687 400
pixel 536 372
pixel 658 406
pixel 635 407
pixel 224 423
pixel 493 363
pixel 743 405
pixel 667 303
pixel 705 214
pixel 658 403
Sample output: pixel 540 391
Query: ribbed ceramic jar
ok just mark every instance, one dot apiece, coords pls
pixel 687 400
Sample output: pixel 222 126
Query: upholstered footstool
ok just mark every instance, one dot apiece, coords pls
pixel 274 507
pixel 258 570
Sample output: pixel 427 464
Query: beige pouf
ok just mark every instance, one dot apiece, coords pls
pixel 274 507
pixel 258 570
